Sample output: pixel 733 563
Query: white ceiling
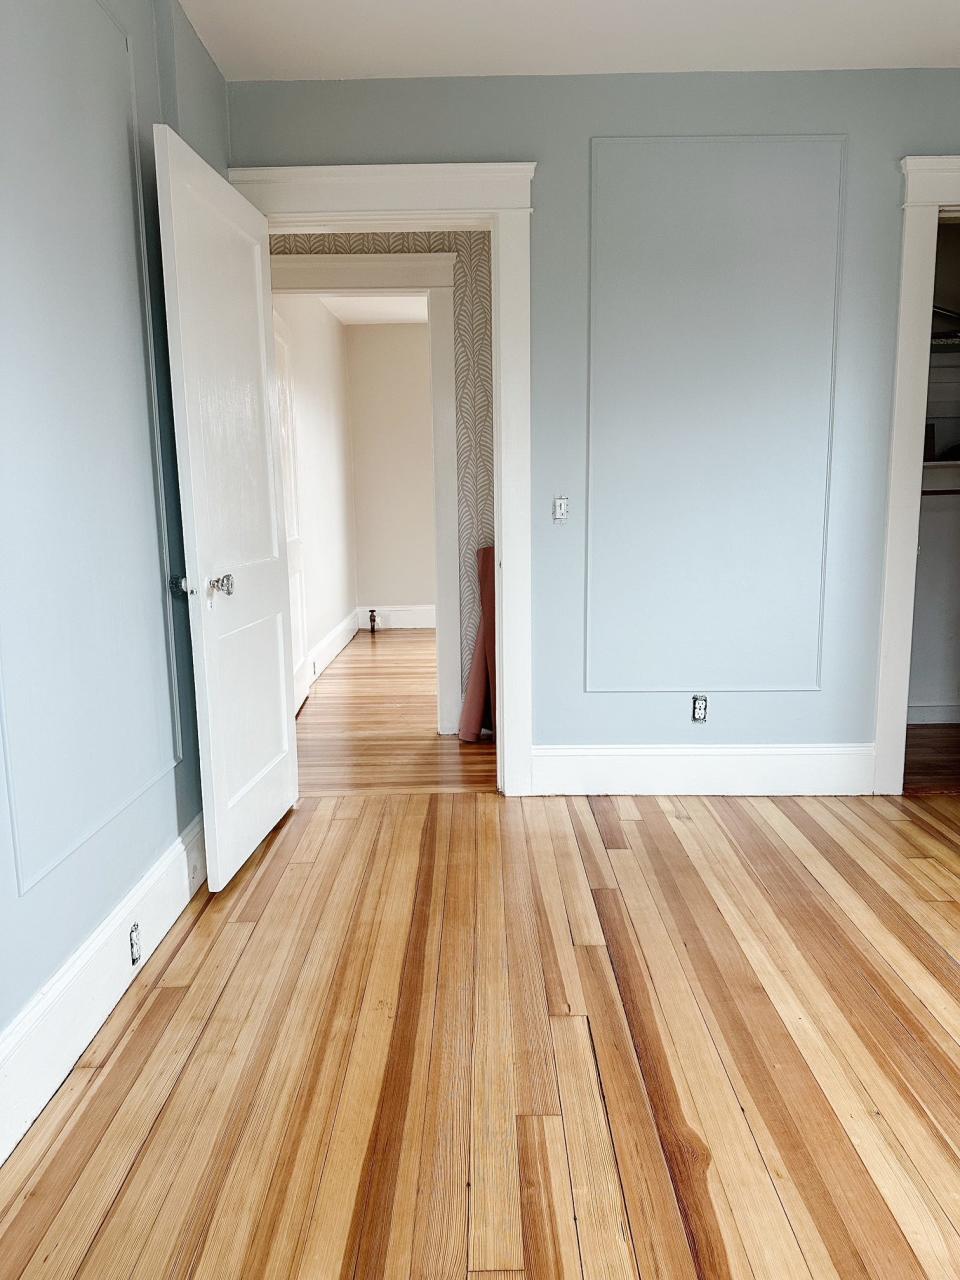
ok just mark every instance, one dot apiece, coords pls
pixel 352 39
pixel 391 308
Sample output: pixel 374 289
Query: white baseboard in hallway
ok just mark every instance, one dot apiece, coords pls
pixel 399 617
pixel 323 653
pixel 42 1044
pixel 807 769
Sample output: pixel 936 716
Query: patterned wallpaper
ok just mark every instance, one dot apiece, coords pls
pixel 473 359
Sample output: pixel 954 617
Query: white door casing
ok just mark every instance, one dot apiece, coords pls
pixel 290 474
pixel 932 184
pixel 417 197
pixel 216 271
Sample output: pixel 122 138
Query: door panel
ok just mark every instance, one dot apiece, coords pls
pixel 217 287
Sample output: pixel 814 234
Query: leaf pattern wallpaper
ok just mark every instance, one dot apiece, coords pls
pixel 473 361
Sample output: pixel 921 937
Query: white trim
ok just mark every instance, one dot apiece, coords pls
pixel 324 651
pixel 329 272
pixel 932 183
pixel 446 509
pixel 399 617
pixel 708 770
pixel 495 197
pixel 41 1045
pixel 304 197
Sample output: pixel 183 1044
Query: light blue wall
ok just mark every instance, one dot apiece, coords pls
pixel 193 92
pixel 94 662
pixel 882 116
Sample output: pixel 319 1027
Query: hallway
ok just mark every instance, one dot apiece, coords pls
pixel 370 724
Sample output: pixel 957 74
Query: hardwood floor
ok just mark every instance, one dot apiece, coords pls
pixel 434 1035
pixel 370 724
pixel 933 758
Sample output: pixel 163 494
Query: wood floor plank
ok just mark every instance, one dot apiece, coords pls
pixel 561 976
pixel 581 912
pixel 382 1227
pixel 495 1240
pixel 892 943
pixel 309 844
pixel 243 1190
pixel 31 1152
pixel 607 817
pixel 593 853
pixel 441 1218
pixel 833 1054
pixel 535 1076
pixel 657 1226
pixel 603 1231
pixel 726 1140
pixel 278 1233
pixel 59 1253
pixel 550 1247
pixel 327 1242
pixel 146 1232
pixel 855 1221
pixel 684 1145
pixel 235 1054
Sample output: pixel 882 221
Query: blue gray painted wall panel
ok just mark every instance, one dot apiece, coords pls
pixel 713 291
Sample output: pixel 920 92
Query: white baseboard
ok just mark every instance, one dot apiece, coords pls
pixel 41 1045
pixel 831 769
pixel 323 653
pixel 933 713
pixel 394 617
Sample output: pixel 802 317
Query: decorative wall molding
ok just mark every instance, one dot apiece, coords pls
pixel 25 881
pixel 41 1045
pixel 827 769
pixel 641 685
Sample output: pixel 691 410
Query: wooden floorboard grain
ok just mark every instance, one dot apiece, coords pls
pixel 429 1032
pixel 550 1247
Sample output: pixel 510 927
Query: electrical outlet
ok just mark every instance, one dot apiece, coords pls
pixel 699 714
pixel 135 943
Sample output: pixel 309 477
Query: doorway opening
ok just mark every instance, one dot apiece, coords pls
pixel 932 760
pixel 374 489
pixel 931 198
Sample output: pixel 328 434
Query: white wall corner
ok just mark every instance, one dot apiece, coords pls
pixel 829 769
pixel 42 1044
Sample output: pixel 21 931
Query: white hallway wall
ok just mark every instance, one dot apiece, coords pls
pixel 318 365
pixel 365 467
pixel 388 377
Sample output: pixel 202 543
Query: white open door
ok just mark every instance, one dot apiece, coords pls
pixel 216 273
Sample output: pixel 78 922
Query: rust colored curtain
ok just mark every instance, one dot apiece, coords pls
pixel 480 700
